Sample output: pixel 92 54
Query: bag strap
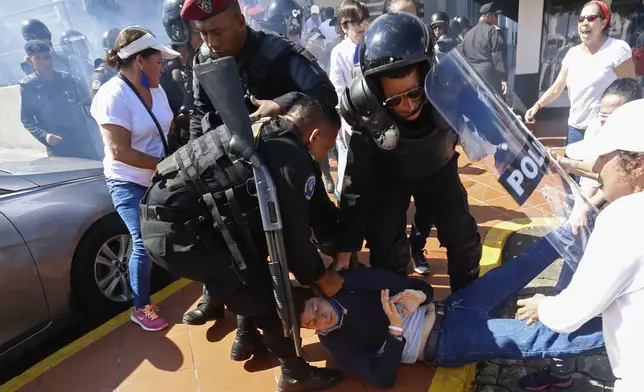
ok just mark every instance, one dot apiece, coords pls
pixel 166 149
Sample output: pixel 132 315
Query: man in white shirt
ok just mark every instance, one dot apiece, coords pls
pixel 314 20
pixel 326 29
pixel 610 277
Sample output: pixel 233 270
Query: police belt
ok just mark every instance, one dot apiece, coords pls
pixel 434 334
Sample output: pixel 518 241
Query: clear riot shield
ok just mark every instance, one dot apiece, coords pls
pixel 490 133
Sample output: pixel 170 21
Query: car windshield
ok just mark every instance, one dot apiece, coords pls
pixel 46 85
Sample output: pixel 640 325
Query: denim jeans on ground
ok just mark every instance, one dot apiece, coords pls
pixel 126 197
pixel 470 334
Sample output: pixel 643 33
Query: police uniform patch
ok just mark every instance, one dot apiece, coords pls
pixel 96 84
pixel 309 187
pixel 205 5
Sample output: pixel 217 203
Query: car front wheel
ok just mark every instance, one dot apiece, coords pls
pixel 100 276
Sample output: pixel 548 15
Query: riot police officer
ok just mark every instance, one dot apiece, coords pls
pixel 180 97
pixel 463 27
pixel 283 17
pixel 401 146
pixel 484 48
pixel 54 107
pixel 34 29
pixel 439 23
pixel 288 145
pixel 102 72
pixel 177 75
pixel 274 73
pixel 74 45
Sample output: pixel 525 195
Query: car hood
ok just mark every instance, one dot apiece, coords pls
pixel 51 170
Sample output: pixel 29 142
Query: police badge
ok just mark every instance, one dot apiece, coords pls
pixel 205 5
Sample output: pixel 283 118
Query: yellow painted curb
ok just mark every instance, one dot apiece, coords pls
pixel 77 345
pixel 460 379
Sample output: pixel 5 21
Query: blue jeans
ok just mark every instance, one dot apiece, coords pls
pixel 470 334
pixel 126 197
pixel 574 135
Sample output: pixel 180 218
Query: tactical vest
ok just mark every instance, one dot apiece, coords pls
pixel 202 193
pixel 413 159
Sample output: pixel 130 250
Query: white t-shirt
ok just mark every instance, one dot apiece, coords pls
pixel 115 103
pixel 588 77
pixel 609 281
pixel 328 31
pixel 341 74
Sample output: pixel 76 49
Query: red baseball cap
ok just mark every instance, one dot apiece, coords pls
pixel 204 9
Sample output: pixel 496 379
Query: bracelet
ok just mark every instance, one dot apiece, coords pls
pixel 538 105
pixel 394 328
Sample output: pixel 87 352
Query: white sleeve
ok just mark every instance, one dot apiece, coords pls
pixel 335 72
pixel 565 63
pixel 622 52
pixel 604 271
pixel 109 107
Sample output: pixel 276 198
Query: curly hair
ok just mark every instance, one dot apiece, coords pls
pixel 627 162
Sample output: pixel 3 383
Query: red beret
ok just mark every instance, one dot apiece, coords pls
pixel 204 9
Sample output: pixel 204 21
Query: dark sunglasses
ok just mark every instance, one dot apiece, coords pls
pixel 396 100
pixel 589 18
pixel 362 22
pixel 437 27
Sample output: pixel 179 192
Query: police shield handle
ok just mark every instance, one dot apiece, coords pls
pixel 220 81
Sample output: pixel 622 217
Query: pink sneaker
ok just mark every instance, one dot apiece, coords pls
pixel 148 318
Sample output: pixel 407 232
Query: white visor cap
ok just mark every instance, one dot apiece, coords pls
pixel 147 42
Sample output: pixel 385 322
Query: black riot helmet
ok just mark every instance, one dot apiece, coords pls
pixel 463 22
pixel 109 38
pixel 73 41
pixel 395 40
pixel 392 41
pixel 283 17
pixel 177 29
pixel 33 29
pixel 442 18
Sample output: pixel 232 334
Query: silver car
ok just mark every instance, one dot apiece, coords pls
pixel 62 248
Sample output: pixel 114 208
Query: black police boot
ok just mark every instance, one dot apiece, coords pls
pixel 299 376
pixel 207 309
pixel 248 341
pixel 417 241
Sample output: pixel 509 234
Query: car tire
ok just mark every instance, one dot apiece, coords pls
pixel 92 302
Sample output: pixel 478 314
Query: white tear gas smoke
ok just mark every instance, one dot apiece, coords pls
pixel 90 17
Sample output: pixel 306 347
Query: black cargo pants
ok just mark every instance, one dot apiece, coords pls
pixel 445 201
